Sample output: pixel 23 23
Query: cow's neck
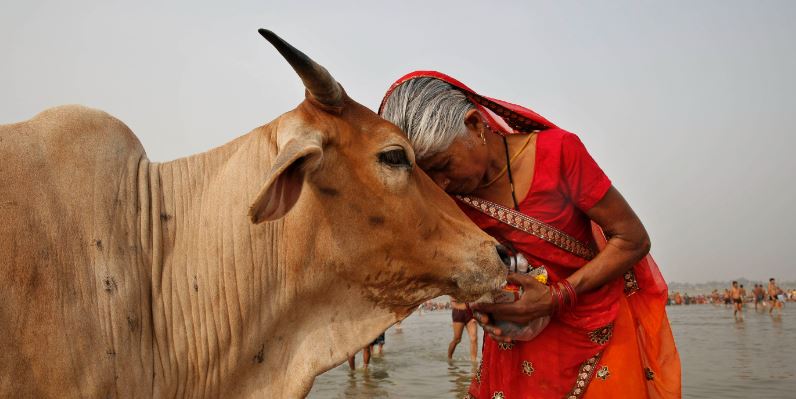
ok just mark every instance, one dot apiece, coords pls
pixel 238 308
pixel 202 292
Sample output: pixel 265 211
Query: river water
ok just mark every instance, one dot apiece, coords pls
pixel 721 358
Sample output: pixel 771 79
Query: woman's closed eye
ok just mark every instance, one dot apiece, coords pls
pixel 441 166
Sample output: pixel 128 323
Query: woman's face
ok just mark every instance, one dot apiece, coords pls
pixel 460 168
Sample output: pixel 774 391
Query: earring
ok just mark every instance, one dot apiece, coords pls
pixel 483 139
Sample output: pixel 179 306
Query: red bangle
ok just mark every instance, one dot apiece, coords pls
pixel 573 295
pixel 553 302
pixel 561 301
pixel 558 298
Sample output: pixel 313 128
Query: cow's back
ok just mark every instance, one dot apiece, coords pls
pixel 75 290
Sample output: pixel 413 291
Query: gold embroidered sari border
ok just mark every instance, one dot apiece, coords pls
pixel 631 284
pixel 585 375
pixel 531 225
pixel 602 335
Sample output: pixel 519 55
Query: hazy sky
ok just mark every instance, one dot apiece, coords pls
pixel 687 105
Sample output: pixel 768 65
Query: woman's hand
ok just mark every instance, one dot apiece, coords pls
pixel 535 302
pixel 486 323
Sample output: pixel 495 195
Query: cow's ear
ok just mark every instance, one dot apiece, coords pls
pixel 298 156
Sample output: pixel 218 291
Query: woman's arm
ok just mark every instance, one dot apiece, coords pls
pixel 628 242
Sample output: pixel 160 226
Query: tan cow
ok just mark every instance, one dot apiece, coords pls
pixel 244 271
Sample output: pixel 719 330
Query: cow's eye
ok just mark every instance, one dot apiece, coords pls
pixel 396 158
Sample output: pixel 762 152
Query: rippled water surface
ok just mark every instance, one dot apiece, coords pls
pixel 721 358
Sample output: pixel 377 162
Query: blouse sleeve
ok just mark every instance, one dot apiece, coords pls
pixel 584 182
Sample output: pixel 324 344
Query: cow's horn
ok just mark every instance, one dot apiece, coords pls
pixel 316 78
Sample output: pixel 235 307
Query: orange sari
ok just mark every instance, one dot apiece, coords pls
pixel 642 348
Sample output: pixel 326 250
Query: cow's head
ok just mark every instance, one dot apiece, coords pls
pixel 348 180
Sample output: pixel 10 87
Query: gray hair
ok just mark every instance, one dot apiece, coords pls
pixel 431 113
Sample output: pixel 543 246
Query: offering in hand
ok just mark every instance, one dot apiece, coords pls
pixel 512 292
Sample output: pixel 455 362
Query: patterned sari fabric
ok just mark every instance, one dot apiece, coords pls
pixel 617 341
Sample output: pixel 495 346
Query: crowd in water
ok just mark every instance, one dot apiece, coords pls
pixel 758 295
pixel 716 297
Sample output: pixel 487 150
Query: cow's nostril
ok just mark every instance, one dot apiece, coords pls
pixel 504 254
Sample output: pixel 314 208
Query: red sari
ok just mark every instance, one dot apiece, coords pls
pixel 617 341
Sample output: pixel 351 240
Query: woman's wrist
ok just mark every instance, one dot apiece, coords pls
pixel 577 283
pixel 551 305
pixel 570 296
pixel 562 297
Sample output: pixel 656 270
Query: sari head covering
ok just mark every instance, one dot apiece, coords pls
pixel 503 117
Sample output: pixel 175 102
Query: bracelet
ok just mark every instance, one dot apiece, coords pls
pixel 561 299
pixel 563 296
pixel 554 300
pixel 573 296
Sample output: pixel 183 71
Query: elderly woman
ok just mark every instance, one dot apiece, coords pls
pixel 535 188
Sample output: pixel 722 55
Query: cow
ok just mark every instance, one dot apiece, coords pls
pixel 243 271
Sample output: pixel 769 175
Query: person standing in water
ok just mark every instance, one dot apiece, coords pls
pixel 773 292
pixel 365 358
pixel 737 301
pixel 758 293
pixel 463 317
pixel 743 296
pixel 367 351
pixel 380 342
